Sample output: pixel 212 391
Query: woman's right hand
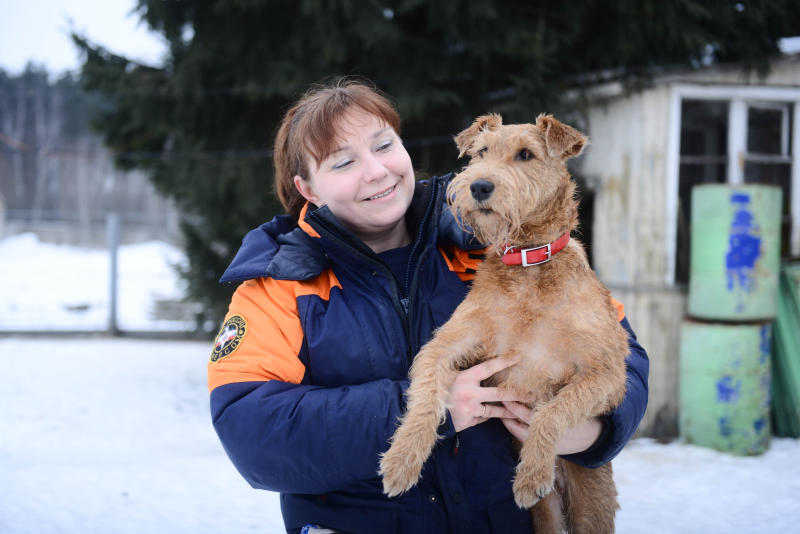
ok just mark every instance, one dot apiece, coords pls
pixel 467 399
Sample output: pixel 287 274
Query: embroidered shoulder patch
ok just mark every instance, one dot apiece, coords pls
pixel 229 338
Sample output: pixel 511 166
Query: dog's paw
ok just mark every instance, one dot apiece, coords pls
pixel 532 484
pixel 400 472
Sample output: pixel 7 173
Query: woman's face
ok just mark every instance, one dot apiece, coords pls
pixel 368 182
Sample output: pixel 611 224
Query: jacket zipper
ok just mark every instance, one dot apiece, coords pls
pixel 411 280
pixel 400 306
pixel 401 300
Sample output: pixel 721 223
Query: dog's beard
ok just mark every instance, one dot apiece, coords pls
pixel 493 222
pixel 489 227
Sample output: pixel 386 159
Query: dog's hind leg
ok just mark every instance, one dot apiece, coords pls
pixel 591 502
pixel 548 514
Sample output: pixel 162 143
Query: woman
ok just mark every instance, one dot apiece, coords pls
pixel 336 297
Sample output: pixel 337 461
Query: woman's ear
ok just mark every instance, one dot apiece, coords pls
pixel 306 190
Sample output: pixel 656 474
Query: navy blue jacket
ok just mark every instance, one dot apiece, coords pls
pixel 309 370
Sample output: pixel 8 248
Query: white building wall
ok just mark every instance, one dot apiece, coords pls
pixel 627 164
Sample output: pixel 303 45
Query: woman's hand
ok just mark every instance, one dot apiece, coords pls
pixel 576 439
pixel 466 400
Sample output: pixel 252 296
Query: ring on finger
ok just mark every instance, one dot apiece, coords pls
pixel 485 408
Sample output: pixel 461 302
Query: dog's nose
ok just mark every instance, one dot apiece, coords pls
pixel 481 189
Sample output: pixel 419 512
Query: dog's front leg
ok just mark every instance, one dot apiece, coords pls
pixel 575 402
pixel 432 374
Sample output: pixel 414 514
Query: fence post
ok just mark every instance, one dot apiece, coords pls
pixel 2 216
pixel 112 234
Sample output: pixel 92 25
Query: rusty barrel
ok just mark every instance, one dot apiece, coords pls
pixel 735 252
pixel 725 386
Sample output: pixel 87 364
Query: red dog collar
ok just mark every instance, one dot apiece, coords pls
pixel 535 255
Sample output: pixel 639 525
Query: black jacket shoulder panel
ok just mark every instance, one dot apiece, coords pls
pixel 298 258
pixel 278 248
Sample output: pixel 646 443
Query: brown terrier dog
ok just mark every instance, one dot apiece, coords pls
pixel 538 301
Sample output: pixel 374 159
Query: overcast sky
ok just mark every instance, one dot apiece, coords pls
pixel 38 31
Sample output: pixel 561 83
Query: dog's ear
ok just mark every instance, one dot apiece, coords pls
pixel 562 141
pixel 464 140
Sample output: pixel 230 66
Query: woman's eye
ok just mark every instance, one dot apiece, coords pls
pixel 524 155
pixel 384 146
pixel 342 164
pixel 481 152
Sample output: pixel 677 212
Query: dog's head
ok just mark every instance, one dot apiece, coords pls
pixel 516 181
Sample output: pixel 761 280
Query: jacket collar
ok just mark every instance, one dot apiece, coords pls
pixel 278 248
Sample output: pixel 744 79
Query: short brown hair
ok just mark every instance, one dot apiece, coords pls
pixel 310 129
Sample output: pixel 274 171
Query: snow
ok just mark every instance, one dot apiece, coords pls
pixel 114 435
pixel 679 488
pixel 46 286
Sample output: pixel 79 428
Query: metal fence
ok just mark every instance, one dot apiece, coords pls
pixel 117 276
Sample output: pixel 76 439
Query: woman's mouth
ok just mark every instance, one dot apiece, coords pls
pixel 383 193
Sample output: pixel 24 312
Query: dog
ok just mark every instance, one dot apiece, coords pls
pixel 535 298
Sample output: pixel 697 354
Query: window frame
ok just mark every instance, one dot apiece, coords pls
pixel 739 98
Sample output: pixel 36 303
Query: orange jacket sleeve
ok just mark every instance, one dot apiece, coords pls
pixel 268 339
pixel 261 336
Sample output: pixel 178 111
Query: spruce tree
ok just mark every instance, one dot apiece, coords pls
pixel 202 122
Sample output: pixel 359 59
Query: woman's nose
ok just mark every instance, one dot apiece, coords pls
pixel 373 168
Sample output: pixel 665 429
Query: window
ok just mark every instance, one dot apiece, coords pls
pixel 732 141
pixel 703 160
pixel 768 159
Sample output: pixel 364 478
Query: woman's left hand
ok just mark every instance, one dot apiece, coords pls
pixel 576 439
pixel 471 403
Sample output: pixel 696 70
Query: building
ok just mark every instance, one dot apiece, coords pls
pixel 648 148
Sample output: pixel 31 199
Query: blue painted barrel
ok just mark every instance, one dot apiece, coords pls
pixel 725 386
pixel 735 252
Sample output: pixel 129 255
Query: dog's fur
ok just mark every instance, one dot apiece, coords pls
pixel 556 316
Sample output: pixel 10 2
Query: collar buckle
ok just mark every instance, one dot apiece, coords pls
pixel 548 255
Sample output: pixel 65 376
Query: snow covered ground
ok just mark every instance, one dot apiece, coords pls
pixel 103 435
pixel 114 436
pixel 45 286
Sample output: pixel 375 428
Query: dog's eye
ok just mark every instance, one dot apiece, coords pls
pixel 481 152
pixel 524 155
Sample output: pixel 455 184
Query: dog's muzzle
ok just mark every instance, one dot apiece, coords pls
pixel 481 189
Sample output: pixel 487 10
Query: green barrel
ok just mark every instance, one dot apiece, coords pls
pixel 735 252
pixel 725 386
